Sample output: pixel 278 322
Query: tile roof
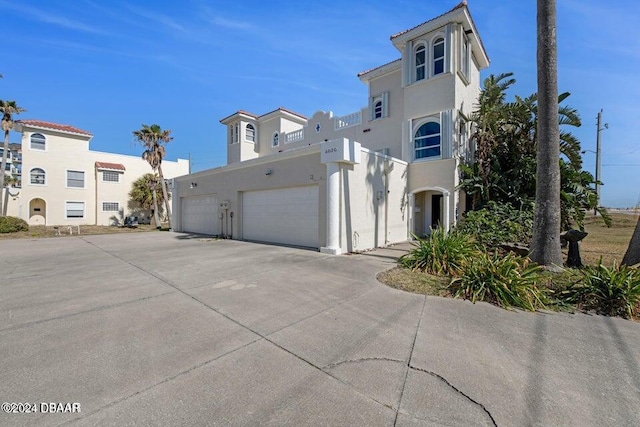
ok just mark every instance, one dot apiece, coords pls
pixel 362 73
pixel 106 165
pixel 286 110
pixel 53 126
pixel 460 5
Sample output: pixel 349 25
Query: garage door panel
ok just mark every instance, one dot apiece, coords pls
pixel 200 215
pixel 288 216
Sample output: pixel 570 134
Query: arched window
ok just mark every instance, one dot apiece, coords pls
pixel 37 176
pixel 420 63
pixel 250 133
pixel 38 141
pixel 438 56
pixel 377 109
pixel 276 139
pixel 427 141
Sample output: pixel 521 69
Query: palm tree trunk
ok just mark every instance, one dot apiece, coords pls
pixel 3 165
pixel 632 257
pixel 155 206
pixel 545 243
pixel 164 193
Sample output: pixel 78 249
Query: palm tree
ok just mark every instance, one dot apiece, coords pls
pixel 8 109
pixel 632 257
pixel 545 243
pixel 152 139
pixel 144 192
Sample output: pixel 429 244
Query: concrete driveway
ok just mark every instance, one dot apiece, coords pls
pixel 172 329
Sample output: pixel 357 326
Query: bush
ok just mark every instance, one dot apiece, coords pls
pixel 498 223
pixel 611 291
pixel 508 281
pixel 441 253
pixel 11 224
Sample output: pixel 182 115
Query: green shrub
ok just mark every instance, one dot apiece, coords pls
pixel 498 223
pixel 11 224
pixel 441 253
pixel 611 291
pixel 508 281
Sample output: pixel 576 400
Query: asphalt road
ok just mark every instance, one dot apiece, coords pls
pixel 172 329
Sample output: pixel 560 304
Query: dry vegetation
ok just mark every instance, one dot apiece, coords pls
pixel 41 231
pixel 608 243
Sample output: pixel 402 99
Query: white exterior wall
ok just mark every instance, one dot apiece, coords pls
pixel 69 152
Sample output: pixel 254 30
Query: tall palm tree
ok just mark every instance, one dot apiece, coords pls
pixel 8 109
pixel 152 139
pixel 545 243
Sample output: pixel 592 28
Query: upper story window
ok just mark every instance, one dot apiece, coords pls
pixel 427 140
pixel 234 129
pixel 37 176
pixel 250 133
pixel 420 63
pixel 38 141
pixel 110 176
pixel 379 106
pixel 75 179
pixel 438 56
pixel 276 139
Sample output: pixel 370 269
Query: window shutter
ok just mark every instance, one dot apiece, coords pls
pixel 385 104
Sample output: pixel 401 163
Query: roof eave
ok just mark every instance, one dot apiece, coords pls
pixel 20 126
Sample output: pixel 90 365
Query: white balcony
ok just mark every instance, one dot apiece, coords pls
pixel 295 136
pixel 350 120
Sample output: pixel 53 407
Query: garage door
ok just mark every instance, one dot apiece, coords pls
pixel 288 216
pixel 200 215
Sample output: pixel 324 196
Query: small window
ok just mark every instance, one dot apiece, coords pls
pixel 377 109
pixel 110 176
pixel 438 56
pixel 74 209
pixel 420 63
pixel 427 141
pixel 251 133
pixel 37 176
pixel 38 141
pixel 233 133
pixel 110 206
pixel 75 179
pixel 276 139
pixel 464 63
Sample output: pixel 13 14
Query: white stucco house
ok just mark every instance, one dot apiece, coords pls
pixel 358 181
pixel 62 182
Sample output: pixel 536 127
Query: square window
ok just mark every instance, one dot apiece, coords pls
pixel 74 210
pixel 75 179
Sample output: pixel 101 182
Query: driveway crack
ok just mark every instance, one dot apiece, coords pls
pixel 364 359
pixel 457 390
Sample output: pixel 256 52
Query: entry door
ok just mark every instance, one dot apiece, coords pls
pixel 436 210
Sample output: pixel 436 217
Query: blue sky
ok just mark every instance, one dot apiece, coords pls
pixel 109 66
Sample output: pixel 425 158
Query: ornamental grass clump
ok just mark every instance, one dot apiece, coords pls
pixel 441 253
pixel 508 281
pixel 611 291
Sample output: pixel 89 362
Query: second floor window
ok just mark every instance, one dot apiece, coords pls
pixel 37 176
pixel 420 63
pixel 109 176
pixel 427 141
pixel 251 133
pixel 75 179
pixel 276 139
pixel 38 141
pixel 377 110
pixel 438 56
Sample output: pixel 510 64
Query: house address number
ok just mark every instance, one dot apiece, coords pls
pixel 331 150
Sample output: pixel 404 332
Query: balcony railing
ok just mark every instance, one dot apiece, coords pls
pixel 350 120
pixel 296 135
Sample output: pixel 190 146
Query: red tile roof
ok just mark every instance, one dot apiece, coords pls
pixel 106 165
pixel 362 73
pixel 460 5
pixel 257 117
pixel 53 126
pixel 246 113
pixel 286 110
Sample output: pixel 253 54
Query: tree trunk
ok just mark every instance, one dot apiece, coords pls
pixel 155 206
pixel 545 243
pixel 3 165
pixel 164 193
pixel 632 257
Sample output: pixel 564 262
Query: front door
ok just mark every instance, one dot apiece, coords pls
pixel 436 203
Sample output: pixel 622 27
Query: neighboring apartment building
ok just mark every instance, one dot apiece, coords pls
pixel 62 182
pixel 358 181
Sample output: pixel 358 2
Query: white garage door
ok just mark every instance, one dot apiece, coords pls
pixel 288 216
pixel 200 215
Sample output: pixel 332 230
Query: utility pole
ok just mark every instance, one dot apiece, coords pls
pixel 599 156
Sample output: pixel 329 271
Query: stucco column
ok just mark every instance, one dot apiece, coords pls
pixel 447 209
pixel 333 210
pixel 411 222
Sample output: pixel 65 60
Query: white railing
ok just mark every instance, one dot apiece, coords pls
pixel 296 135
pixel 353 119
